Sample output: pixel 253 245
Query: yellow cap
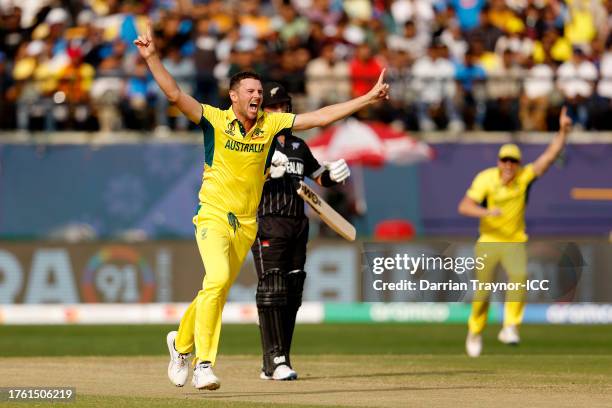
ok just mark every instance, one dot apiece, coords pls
pixel 510 150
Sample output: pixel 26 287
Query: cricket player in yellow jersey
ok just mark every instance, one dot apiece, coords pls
pixel 498 197
pixel 237 155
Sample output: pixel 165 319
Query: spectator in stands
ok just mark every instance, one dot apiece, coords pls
pixel 108 86
pixel 413 42
pixel 551 19
pixel 57 21
pixel 316 39
pixel 399 108
pixel 434 84
pixel 552 46
pixel 533 21
pixel 175 31
pixel 295 62
pixel 290 24
pixel 576 79
pixel 471 77
pixel 453 39
pixel 183 70
pixel 221 18
pixel 224 52
pixel 504 18
pixel 583 19
pixel 603 107
pixel 205 60
pixel 467 12
pixel 503 91
pixel 34 87
pixel 135 98
pixel 321 12
pixel 486 59
pixel 537 87
pixel 15 28
pixel 252 22
pixel 243 56
pixel 75 81
pixel 517 43
pixel 365 69
pixel 485 31
pixel 419 11
pixel 276 37
pixel 358 9
pixel 95 48
pixel 327 79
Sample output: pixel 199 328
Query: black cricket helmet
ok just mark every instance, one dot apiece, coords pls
pixel 274 93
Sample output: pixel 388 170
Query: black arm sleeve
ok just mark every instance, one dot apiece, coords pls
pixel 326 181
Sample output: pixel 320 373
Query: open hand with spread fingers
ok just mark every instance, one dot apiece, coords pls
pixel 565 122
pixel 380 91
pixel 144 43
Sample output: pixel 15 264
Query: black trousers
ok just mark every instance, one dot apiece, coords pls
pixel 280 243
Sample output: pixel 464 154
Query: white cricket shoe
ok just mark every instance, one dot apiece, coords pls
pixel 281 373
pixel 509 335
pixel 473 344
pixel 178 368
pixel 204 378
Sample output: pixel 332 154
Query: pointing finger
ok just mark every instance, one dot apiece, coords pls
pixel 382 76
pixel 149 31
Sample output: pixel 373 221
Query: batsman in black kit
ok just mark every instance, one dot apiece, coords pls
pixel 280 247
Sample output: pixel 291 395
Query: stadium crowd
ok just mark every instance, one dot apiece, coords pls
pixel 452 64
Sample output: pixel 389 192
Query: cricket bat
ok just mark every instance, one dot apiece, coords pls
pixel 334 220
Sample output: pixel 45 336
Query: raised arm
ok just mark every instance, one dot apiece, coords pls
pixel 553 150
pixel 186 104
pixel 332 113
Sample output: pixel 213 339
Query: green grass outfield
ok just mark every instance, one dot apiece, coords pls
pixel 347 365
pixel 435 339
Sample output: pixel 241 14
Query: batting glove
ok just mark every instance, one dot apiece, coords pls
pixel 279 163
pixel 338 170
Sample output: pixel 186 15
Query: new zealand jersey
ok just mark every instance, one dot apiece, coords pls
pixel 279 195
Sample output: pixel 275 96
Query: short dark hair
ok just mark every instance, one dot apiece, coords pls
pixel 236 78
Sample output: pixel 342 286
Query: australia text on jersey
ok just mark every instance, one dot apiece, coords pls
pixel 244 147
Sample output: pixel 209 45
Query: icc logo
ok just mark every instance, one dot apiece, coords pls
pixel 230 129
pixel 118 274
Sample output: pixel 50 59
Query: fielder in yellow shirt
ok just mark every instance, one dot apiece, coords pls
pixel 237 156
pixel 498 197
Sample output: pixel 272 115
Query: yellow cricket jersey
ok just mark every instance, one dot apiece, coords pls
pixel 236 161
pixel 488 190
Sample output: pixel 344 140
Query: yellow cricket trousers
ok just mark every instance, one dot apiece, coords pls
pixel 513 257
pixel 224 241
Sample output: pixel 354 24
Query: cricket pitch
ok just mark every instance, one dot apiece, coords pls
pixel 332 380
